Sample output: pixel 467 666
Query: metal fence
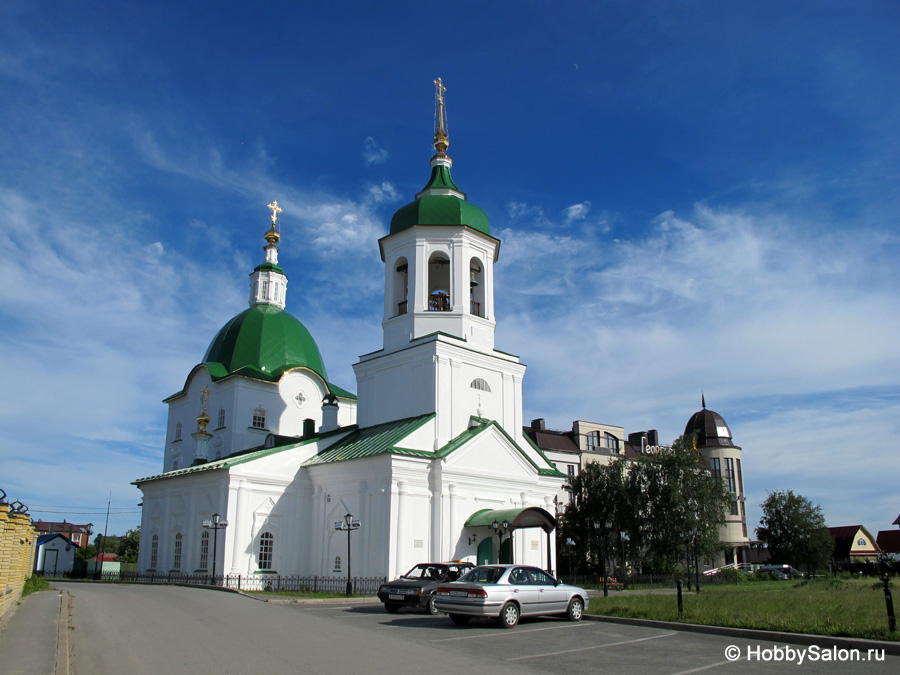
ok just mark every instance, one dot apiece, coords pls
pixel 243 582
pixel 643 581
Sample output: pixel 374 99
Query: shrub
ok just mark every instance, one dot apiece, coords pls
pixel 35 584
pixel 731 576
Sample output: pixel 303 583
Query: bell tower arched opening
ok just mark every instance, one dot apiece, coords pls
pixel 439 283
pixel 476 288
pixel 401 287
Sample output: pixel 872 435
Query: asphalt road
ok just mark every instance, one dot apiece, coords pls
pixel 172 630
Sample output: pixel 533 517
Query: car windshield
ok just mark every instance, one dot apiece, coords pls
pixel 426 571
pixel 483 575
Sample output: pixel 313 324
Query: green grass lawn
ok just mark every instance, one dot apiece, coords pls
pixel 842 608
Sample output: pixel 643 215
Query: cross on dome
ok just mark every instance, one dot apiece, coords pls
pixel 441 140
pixel 275 211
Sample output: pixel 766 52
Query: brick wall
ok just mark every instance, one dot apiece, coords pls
pixel 17 545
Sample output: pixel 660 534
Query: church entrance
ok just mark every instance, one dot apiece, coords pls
pixel 485 555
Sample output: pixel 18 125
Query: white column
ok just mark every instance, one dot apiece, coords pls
pixel 400 545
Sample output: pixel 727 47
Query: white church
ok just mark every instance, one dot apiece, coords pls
pixel 428 457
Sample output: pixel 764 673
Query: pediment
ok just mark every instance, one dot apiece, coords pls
pixel 490 452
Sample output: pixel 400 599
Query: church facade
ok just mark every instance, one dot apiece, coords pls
pixel 430 458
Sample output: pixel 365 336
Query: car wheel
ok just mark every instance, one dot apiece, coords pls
pixel 460 619
pixel 429 606
pixel 575 610
pixel 509 615
pixel 391 607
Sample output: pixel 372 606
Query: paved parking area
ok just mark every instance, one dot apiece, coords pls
pixel 554 645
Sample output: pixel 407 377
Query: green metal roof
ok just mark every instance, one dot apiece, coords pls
pixel 375 440
pixel 263 342
pixel 232 460
pixel 270 267
pixel 530 516
pixel 440 209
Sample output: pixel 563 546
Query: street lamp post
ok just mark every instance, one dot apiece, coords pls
pixel 697 533
pixel 501 529
pixel 215 525
pixel 623 535
pixel 348 524
pixel 603 528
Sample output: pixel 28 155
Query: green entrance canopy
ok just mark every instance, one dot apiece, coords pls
pixel 531 516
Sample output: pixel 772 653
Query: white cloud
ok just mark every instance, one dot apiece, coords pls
pixel 374 153
pixel 383 193
pixel 577 212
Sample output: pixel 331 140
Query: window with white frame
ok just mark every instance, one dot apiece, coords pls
pixel 154 551
pixel 178 431
pixel 266 546
pixel 204 550
pixel 592 440
pixel 259 419
pixel 337 563
pixel 221 419
pixel 176 558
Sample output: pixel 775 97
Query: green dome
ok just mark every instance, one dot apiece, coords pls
pixel 440 209
pixel 263 342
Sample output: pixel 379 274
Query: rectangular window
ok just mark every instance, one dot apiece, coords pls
pixel 204 550
pixel 266 544
pixel 571 469
pixel 337 563
pixel 734 508
pixel 740 478
pixel 154 551
pixel 259 419
pixel 714 467
pixel 730 483
pixel 176 560
pixel 221 419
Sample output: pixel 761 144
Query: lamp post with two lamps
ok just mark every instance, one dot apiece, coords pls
pixel 348 524
pixel 500 529
pixel 603 528
pixel 215 524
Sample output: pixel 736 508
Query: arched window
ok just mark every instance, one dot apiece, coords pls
pixel 176 558
pixel 221 419
pixel 439 283
pixel 178 431
pixel 610 442
pixel 592 440
pixel 204 550
pixel 154 551
pixel 479 384
pixel 476 288
pixel 174 465
pixel 401 287
pixel 337 563
pixel 266 546
pixel 259 419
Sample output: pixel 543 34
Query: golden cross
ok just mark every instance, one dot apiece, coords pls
pixel 275 211
pixel 204 395
pixel 439 90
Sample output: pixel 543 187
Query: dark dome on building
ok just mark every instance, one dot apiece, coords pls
pixel 709 427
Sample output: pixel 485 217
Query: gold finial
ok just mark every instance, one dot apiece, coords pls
pixel 203 418
pixel 441 140
pixel 272 235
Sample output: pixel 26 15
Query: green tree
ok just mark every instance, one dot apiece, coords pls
pixel 128 545
pixel 681 508
pixel 794 531
pixel 596 512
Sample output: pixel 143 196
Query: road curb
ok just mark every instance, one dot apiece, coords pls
pixel 861 644
pixel 62 635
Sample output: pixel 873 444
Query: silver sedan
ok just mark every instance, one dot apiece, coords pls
pixel 508 592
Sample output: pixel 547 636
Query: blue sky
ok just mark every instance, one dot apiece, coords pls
pixel 691 196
